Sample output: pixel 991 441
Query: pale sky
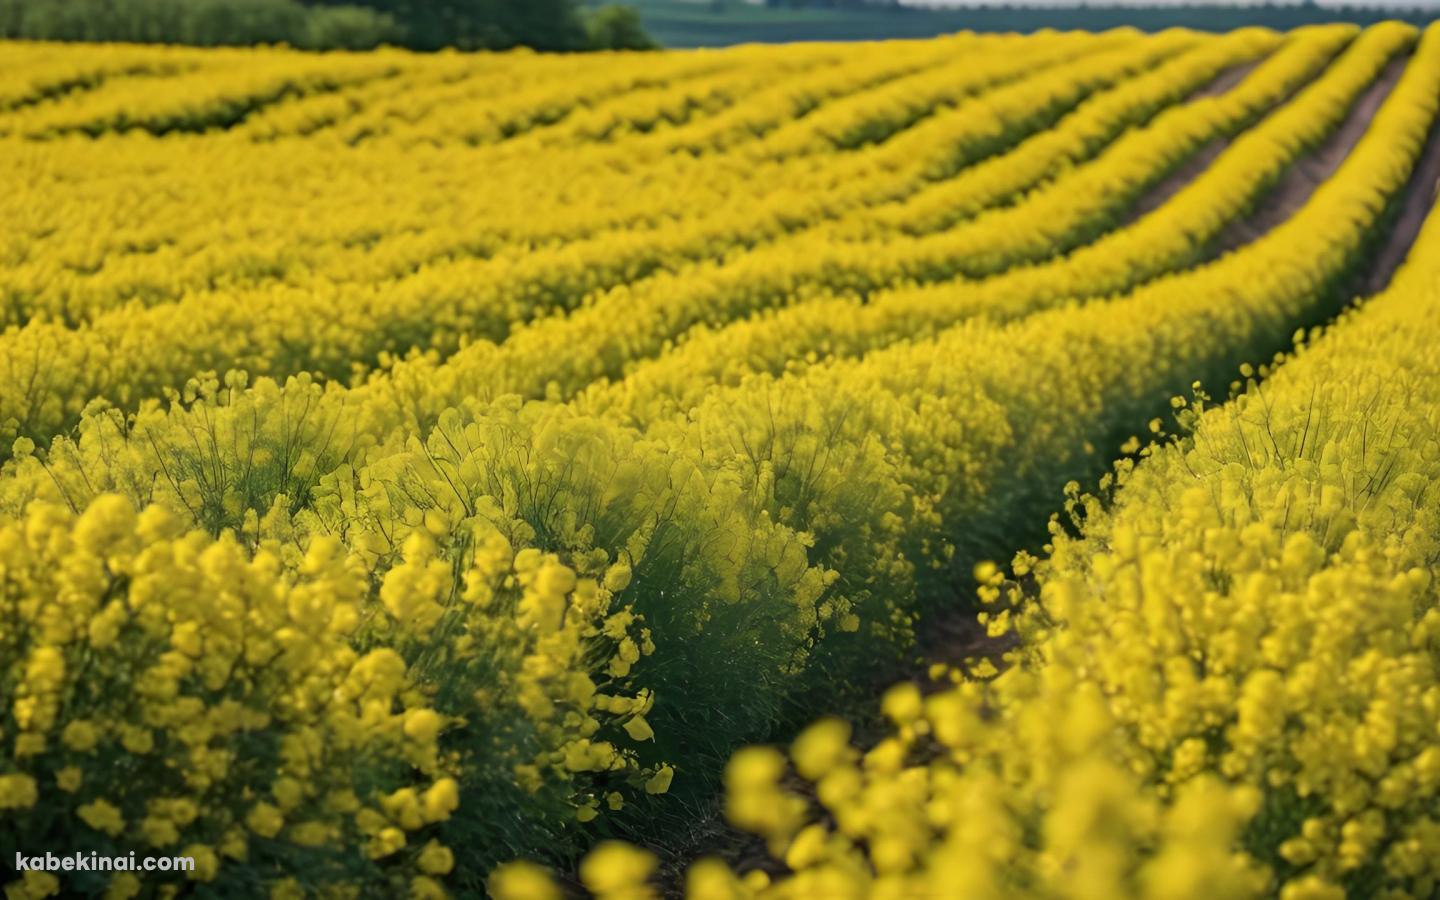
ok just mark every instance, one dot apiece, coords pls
pixel 1396 4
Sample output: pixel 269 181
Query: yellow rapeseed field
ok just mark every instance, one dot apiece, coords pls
pixel 420 474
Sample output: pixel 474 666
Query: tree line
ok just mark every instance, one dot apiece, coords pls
pixel 555 25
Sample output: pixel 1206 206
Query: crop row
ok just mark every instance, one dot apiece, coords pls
pixel 627 327
pixel 266 331
pixel 160 249
pixel 227 92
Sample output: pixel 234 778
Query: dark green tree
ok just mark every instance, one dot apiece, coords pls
pixel 615 27
pixel 204 23
pixel 485 24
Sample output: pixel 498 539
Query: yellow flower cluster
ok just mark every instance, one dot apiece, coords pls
pixel 516 507
pixel 167 691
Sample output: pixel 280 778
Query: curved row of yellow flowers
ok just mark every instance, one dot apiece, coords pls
pixel 261 329
pixel 896 106
pixel 39 73
pixel 622 96
pixel 765 111
pixel 629 330
pixel 173 251
pixel 280 722
pixel 781 535
pixel 1225 679
pixel 813 259
pixel 1072 140
pixel 1178 234
pixel 480 82
pixel 149 101
pixel 223 158
pixel 499 97
pixel 1080 205
pixel 229 89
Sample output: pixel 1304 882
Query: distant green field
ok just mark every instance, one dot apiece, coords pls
pixel 718 23
pixel 699 23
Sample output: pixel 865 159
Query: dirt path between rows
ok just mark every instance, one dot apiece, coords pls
pixel 1299 182
pixel 962 637
pixel 1225 81
pixel 1421 194
pixel 1201 159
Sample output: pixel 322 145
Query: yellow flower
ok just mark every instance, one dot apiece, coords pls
pixel 207 862
pixel 617 577
pixel 45 671
pixel 1311 887
pixel 80 736
pixel 711 879
pixel 639 729
pixel 659 783
pixel 614 869
pixel 902 703
pixel 521 881
pixel 287 889
pixel 288 792
pixel 136 740
pixel 102 816
pixel 33 885
pixel 440 800
pixel 69 779
pixel 387 842
pixel 159 831
pixel 265 820
pixel 422 888
pixel 311 834
pixel 123 886
pixel 423 725
pixel 186 637
pixel 435 859
pixel 403 808
pixel 820 747
pixel 17 792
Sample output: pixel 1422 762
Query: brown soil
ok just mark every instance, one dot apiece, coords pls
pixel 956 640
pixel 1198 162
pixel 961 638
pixel 1176 181
pixel 1224 81
pixel 1420 197
pixel 1294 188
